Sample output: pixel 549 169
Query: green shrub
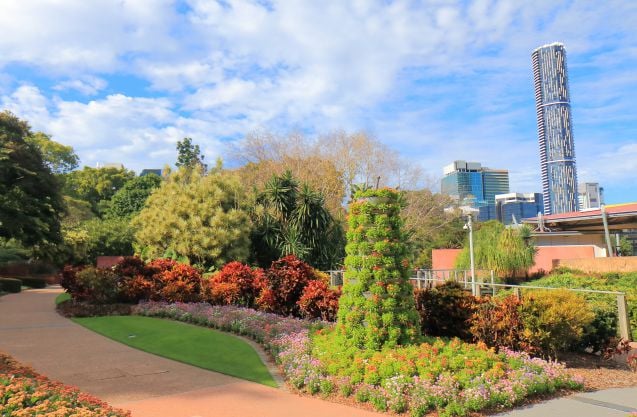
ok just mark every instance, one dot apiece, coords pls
pixel 601 331
pixel 101 285
pixel 445 310
pixel 624 282
pixel 554 321
pixel 33 282
pixel 10 285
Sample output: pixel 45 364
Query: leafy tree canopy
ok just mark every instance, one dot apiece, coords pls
pixel 130 199
pixel 77 212
pixel 30 201
pixel 293 219
pixel 507 251
pixel 428 226
pixel 195 216
pixel 188 154
pixel 95 184
pixel 98 237
pixel 58 157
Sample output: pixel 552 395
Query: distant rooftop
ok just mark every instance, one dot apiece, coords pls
pixel 548 45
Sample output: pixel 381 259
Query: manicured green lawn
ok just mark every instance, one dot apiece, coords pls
pixel 198 346
pixel 62 298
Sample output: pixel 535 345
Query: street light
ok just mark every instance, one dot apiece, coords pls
pixel 469 225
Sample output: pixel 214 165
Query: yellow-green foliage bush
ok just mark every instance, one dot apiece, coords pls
pixel 195 216
pixel 554 321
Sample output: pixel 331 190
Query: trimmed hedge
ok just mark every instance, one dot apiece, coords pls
pixel 33 282
pixel 10 285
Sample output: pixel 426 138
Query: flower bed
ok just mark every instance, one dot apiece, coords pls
pixel 25 393
pixel 452 377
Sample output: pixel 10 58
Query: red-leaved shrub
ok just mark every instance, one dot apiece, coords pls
pixel 234 284
pixel 497 323
pixel 282 285
pixel 319 301
pixel 174 281
pixel 445 310
pixel 68 281
pixel 130 266
pixel 136 279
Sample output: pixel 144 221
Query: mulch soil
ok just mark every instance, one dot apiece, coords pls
pixel 600 373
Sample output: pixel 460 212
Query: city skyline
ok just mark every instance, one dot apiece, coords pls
pixel 437 82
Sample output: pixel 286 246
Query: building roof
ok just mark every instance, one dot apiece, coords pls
pixel 619 216
pixel 548 45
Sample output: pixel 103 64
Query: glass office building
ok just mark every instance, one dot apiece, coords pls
pixel 471 184
pixel 555 132
pixel 518 206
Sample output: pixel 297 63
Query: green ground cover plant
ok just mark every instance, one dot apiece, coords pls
pixel 204 348
pixel 65 296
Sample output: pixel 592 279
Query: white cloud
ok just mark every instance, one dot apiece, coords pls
pixel 139 132
pixel 70 36
pixel 28 103
pixel 90 86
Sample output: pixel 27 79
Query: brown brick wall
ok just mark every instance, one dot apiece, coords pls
pixel 601 265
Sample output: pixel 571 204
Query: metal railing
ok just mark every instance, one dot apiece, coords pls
pixel 491 287
pixel 487 284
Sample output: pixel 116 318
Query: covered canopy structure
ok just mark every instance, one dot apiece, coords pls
pixel 618 217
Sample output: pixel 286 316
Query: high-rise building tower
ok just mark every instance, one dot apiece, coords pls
pixel 590 195
pixel 469 183
pixel 557 151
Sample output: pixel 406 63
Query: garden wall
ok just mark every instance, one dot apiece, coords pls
pixel 547 256
pixel 444 258
pixel 108 261
pixel 601 265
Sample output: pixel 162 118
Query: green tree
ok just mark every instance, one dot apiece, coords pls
pixel 506 250
pixel 428 226
pixel 95 185
pixel 98 237
pixel 130 199
pixel 377 308
pixel 188 154
pixel 293 220
pixel 30 200
pixel 58 157
pixel 195 216
pixel 77 212
pixel 625 247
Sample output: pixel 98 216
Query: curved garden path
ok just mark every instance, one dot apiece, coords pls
pixel 150 386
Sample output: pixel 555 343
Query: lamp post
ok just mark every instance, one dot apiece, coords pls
pixel 469 225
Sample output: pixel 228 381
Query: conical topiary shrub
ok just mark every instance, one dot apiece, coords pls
pixel 377 307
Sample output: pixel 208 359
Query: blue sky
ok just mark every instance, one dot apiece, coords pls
pixel 435 80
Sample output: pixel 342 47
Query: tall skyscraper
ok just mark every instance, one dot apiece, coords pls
pixel 590 195
pixel 557 150
pixel 469 183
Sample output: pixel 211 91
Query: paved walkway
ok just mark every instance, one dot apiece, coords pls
pixel 150 386
pixel 617 402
